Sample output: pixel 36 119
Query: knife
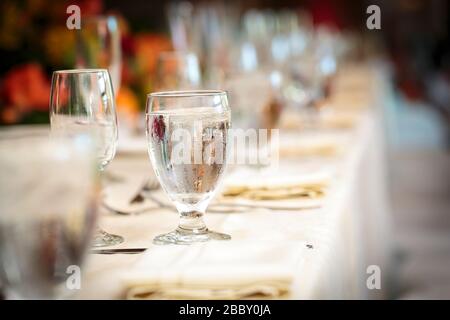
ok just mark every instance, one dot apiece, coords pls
pixel 115 251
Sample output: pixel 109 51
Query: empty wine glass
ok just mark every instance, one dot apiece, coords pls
pixel 98 46
pixel 187 142
pixel 177 71
pixel 48 205
pixel 305 88
pixel 82 101
pixel 311 76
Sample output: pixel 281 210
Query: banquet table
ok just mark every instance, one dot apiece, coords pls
pixel 349 232
pixel 346 235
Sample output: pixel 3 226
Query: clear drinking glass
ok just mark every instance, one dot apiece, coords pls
pixel 178 71
pixel 82 101
pixel 187 141
pixel 48 206
pixel 98 46
pixel 305 89
pixel 311 76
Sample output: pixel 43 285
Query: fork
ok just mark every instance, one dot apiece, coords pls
pixel 147 187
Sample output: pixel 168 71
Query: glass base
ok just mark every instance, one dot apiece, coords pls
pixel 183 236
pixel 104 239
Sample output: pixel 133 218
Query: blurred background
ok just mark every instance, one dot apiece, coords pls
pixel 221 39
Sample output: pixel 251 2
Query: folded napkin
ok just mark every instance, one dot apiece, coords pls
pixel 352 101
pixel 269 193
pixel 333 119
pixel 278 189
pixel 310 145
pixel 329 118
pixel 275 185
pixel 215 270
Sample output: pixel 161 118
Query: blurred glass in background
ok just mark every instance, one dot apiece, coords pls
pixel 48 206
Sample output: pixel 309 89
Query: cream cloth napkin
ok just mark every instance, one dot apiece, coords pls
pixel 312 144
pixel 283 189
pixel 215 270
pixel 330 118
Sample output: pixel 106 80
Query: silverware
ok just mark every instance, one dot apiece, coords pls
pixel 216 206
pixel 143 193
pixel 118 251
pixel 148 186
pixel 129 213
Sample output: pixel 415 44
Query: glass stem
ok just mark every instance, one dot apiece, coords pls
pixel 192 222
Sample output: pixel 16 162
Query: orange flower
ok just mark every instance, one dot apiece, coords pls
pixel 59 45
pixel 127 109
pixel 148 47
pixel 27 88
pixel 89 7
pixel 9 115
pixel 127 102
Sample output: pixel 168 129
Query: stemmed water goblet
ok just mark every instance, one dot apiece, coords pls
pixel 187 133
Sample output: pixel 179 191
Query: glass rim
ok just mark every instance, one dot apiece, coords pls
pixel 186 93
pixel 81 70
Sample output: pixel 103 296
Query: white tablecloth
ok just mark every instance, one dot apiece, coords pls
pixel 348 234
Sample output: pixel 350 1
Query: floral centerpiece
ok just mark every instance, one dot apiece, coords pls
pixel 34 41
